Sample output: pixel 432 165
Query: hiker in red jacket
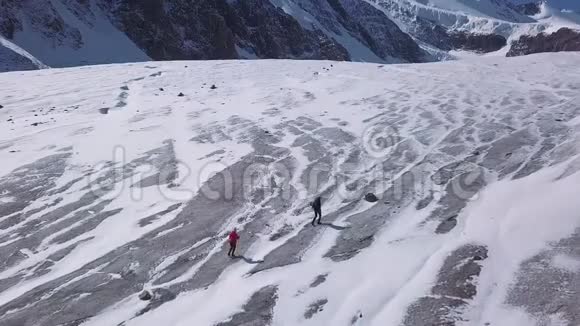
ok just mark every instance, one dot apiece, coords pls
pixel 233 239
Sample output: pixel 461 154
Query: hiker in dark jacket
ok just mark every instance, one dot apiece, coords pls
pixel 317 207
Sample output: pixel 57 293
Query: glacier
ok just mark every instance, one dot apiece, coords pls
pixel 123 178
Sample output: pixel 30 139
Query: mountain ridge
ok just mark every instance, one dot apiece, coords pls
pixel 63 33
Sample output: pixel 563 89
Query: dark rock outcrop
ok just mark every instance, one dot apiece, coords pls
pixel 209 29
pixel 220 29
pixel 565 39
pixel 448 40
pixel 374 29
pixel 529 9
pixel 439 36
pixel 339 30
pixel 482 43
pixel 11 60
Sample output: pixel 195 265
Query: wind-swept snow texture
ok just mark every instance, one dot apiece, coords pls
pixel 111 184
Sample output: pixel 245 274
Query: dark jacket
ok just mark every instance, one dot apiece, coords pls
pixel 316 204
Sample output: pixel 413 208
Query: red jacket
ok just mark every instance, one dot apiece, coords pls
pixel 234 237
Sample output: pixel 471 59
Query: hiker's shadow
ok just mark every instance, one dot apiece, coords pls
pixel 334 226
pixel 248 260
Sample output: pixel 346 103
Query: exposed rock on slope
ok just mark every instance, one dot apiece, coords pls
pixel 69 33
pixel 381 34
pixel 477 42
pixel 221 30
pixel 480 26
pixel 63 33
pixel 447 40
pixel 564 39
pixel 10 60
pixel 14 58
pixel 529 9
pixel 441 33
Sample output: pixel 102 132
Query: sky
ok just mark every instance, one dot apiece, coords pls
pixel 564 4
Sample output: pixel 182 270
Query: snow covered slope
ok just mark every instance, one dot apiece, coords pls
pixel 12 57
pixel 112 183
pixel 483 24
pixel 64 33
pixel 364 31
pixel 496 9
pixel 483 16
pixel 557 17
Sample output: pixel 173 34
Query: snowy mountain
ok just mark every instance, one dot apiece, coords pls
pixel 485 16
pixel 530 8
pixel 66 33
pixel 12 57
pixel 560 4
pixel 482 26
pixel 562 17
pixel 493 9
pixel 449 197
